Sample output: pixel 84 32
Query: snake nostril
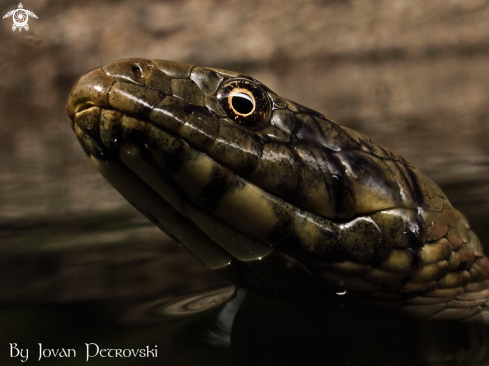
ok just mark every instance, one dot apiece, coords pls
pixel 138 72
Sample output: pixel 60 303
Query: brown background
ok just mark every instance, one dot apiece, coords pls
pixel 411 74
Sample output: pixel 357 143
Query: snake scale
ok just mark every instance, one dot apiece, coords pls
pixel 274 196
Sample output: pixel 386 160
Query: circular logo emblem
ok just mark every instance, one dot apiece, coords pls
pixel 20 17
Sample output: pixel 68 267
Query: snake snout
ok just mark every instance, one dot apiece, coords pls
pixel 91 90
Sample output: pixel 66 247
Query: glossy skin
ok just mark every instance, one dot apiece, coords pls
pixel 272 194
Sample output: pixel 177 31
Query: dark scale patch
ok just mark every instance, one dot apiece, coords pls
pixel 220 181
pixel 279 170
pixel 88 121
pixel 298 166
pixel 110 129
pixel 92 146
pixel 290 187
pixel 330 241
pixel 341 188
pixel 480 269
pixel 362 166
pixel 415 235
pixel 323 171
pixel 200 129
pixel 284 212
pixel 403 181
pixel 416 262
pixel 172 113
pixel 188 91
pixel 208 80
pixel 308 131
pixel 136 135
pixel 236 148
pixel 330 247
pixel 462 266
pixel 173 69
pixel 172 164
pixel 312 173
pixel 138 74
pixel 135 100
pixel 368 170
pixel 405 172
pixel 399 230
pixel 336 137
pixel 169 153
pixel 236 184
pixel 364 242
pixel 413 183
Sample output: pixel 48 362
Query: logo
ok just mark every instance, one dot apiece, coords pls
pixel 20 17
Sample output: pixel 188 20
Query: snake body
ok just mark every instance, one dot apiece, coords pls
pixel 275 196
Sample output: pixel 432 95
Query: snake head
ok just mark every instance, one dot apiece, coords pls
pixel 272 194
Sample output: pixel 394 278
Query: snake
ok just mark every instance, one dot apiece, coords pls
pixel 275 197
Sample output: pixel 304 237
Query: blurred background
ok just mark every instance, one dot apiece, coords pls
pixel 411 74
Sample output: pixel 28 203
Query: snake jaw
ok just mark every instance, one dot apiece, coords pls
pixel 295 204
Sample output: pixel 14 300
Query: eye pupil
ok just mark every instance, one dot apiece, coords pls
pixel 245 102
pixel 242 103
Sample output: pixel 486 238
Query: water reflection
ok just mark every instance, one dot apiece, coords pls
pixel 294 334
pixel 198 329
pixel 268 331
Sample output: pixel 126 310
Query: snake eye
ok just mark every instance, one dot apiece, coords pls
pixel 245 102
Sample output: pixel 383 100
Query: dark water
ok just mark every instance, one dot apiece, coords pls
pixel 194 329
pixel 173 330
